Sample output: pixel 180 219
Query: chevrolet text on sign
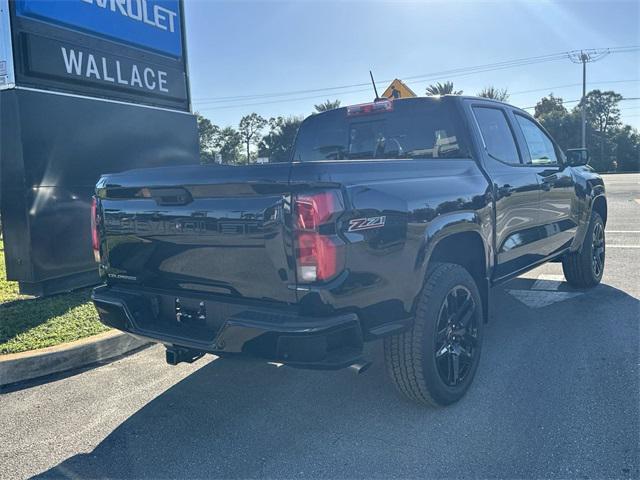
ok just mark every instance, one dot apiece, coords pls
pixel 151 24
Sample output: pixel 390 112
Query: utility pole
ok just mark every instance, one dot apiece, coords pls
pixel 584 57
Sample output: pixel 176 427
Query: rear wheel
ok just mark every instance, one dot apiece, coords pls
pixel 584 268
pixel 435 361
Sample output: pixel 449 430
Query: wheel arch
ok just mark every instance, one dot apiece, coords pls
pixel 461 243
pixel 599 205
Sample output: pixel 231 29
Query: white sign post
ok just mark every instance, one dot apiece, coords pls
pixel 7 78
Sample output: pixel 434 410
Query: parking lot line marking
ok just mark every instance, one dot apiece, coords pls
pixel 623 246
pixel 539 299
pixel 622 231
pixel 548 282
pixel 549 276
pixel 546 285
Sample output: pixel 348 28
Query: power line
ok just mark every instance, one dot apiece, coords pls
pixel 434 75
pixel 269 102
pixel 526 61
pixel 603 82
pixel 578 100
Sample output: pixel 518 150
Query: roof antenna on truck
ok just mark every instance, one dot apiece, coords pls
pixel 374 87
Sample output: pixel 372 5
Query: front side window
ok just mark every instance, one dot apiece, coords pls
pixel 539 144
pixel 497 135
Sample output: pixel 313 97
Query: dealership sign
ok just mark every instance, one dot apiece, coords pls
pixel 130 50
pixel 153 24
pixel 86 87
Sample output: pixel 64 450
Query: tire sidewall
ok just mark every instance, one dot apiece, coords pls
pixel 431 303
pixel 595 220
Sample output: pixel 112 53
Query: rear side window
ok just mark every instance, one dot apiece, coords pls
pixel 497 135
pixel 540 147
pixel 414 128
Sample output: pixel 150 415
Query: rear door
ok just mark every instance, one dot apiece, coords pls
pixel 557 186
pixel 516 190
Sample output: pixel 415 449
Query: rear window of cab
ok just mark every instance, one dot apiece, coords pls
pixel 421 128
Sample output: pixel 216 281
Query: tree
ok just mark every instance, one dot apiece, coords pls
pixel 227 142
pixel 626 141
pixel 563 126
pixel 249 129
pixel 602 110
pixel 549 104
pixel 445 88
pixel 494 93
pixel 207 133
pixel 278 143
pixel 611 145
pixel 327 105
pixel 603 116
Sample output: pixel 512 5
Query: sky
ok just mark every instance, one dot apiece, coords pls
pixel 248 56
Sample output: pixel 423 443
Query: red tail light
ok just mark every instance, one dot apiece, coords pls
pixel 319 251
pixel 95 235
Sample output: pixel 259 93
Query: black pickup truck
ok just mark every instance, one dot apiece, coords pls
pixel 392 221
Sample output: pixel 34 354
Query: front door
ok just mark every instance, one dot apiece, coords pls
pixel 557 215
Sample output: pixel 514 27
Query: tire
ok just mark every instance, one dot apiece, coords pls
pixel 421 361
pixel 584 268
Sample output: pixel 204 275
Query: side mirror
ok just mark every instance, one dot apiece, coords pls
pixel 577 157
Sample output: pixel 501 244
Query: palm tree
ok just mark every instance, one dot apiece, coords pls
pixel 327 105
pixel 494 93
pixel 445 88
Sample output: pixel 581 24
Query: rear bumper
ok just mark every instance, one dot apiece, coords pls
pixel 229 327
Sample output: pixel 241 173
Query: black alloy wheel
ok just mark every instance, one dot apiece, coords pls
pixel 584 268
pixel 597 250
pixel 457 336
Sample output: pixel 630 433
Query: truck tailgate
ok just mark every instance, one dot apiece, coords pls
pixel 207 229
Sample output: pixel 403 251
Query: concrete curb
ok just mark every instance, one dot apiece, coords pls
pixel 19 367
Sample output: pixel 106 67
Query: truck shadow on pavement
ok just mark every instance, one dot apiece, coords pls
pixel 546 402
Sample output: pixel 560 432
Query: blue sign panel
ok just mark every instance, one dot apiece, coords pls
pixel 152 24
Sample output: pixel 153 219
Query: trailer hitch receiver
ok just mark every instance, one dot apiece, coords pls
pixel 176 355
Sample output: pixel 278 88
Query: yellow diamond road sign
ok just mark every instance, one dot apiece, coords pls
pixel 398 89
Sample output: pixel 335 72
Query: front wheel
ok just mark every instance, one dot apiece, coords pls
pixel 584 268
pixel 435 361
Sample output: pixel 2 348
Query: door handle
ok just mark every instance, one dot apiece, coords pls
pixel 547 182
pixel 505 190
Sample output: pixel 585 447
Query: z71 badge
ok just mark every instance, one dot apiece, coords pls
pixel 369 223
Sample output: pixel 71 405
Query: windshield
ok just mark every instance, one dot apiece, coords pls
pixel 416 128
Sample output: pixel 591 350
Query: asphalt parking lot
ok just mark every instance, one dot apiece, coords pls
pixel 557 395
